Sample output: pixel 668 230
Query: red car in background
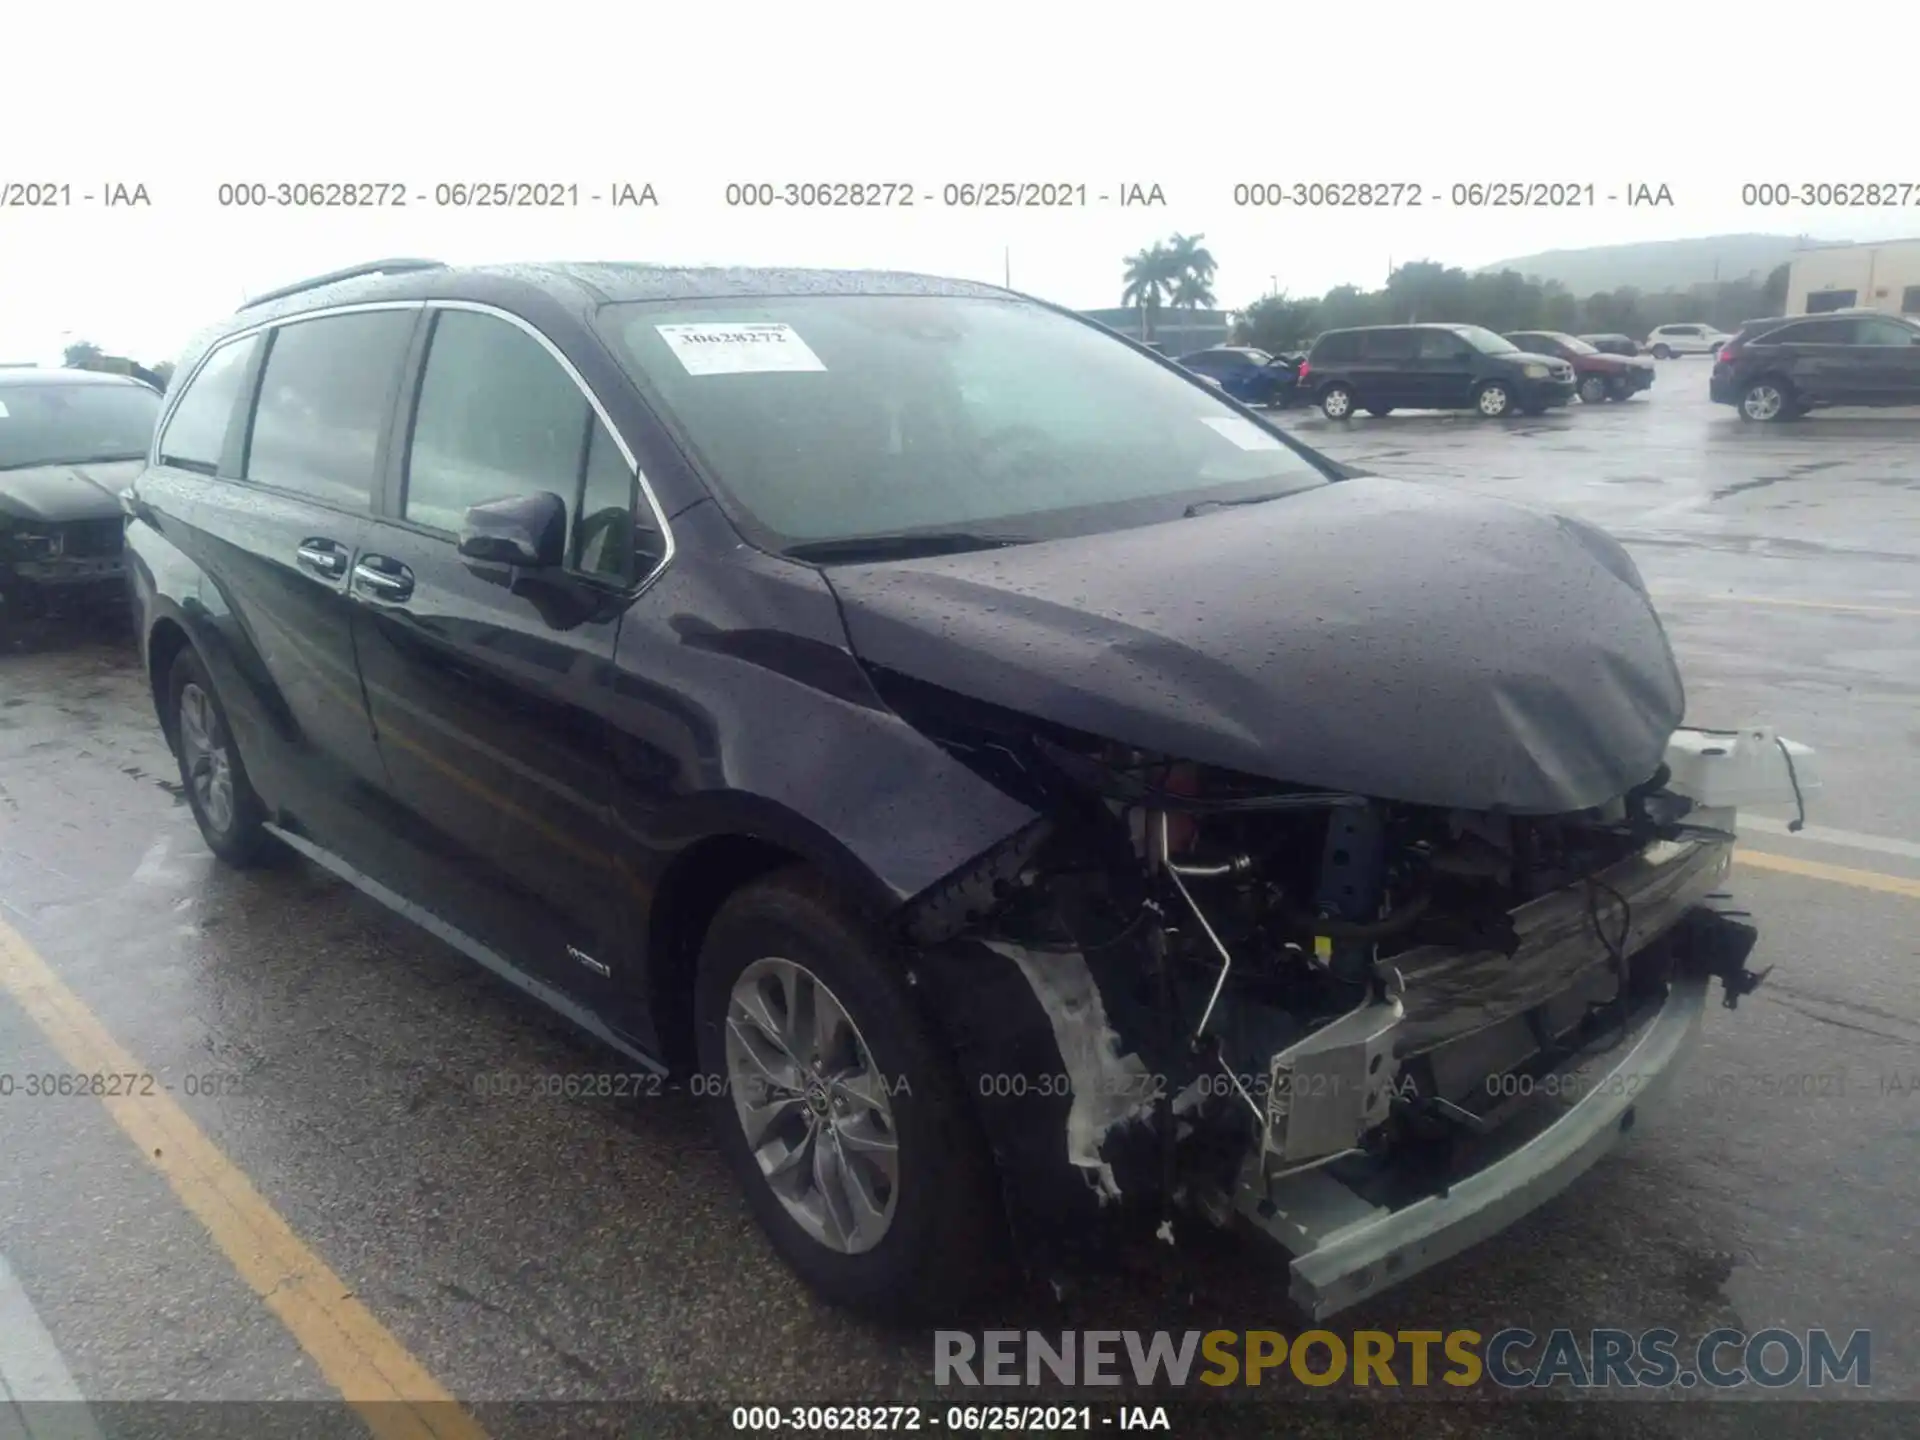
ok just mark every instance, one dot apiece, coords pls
pixel 1600 376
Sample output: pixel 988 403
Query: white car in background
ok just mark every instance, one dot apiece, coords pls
pixel 1667 341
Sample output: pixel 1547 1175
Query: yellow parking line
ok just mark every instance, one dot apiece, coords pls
pixel 1837 874
pixel 1845 607
pixel 389 1389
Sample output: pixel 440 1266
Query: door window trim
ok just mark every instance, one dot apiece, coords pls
pixel 669 546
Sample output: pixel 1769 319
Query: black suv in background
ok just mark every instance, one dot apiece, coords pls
pixel 1779 369
pixel 1382 368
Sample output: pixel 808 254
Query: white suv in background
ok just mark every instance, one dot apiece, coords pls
pixel 1670 340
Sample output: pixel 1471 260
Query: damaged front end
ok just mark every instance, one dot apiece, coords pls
pixel 1377 1032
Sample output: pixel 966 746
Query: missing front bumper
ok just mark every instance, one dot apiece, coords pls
pixel 1346 1247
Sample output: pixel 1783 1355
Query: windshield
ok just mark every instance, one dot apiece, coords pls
pixel 56 423
pixel 1485 341
pixel 835 417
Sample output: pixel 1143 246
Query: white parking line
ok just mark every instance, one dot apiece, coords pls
pixel 1849 839
pixel 38 1398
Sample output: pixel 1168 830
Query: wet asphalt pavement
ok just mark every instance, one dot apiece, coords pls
pixel 586 1249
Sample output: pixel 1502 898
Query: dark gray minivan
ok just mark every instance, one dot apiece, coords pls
pixel 1383 368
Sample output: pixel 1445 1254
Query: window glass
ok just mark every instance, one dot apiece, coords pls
pixel 1823 300
pixel 1484 340
pixel 1815 332
pixel 1342 345
pixel 74 423
pixel 1440 345
pixel 197 433
pixel 1885 332
pixel 324 400
pixel 1910 300
pixel 604 532
pixel 842 417
pixel 1208 362
pixel 496 417
pixel 1389 344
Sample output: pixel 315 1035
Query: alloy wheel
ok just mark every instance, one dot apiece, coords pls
pixel 1337 404
pixel 205 757
pixel 813 1106
pixel 1493 401
pixel 1762 402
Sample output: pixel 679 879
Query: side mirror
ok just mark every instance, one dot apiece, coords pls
pixel 525 531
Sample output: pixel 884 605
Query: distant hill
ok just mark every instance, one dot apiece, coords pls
pixel 1657 264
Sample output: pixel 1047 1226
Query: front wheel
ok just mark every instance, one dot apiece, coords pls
pixel 1662 352
pixel 228 812
pixel 1380 410
pixel 1336 402
pixel 1767 401
pixel 838 1110
pixel 1493 400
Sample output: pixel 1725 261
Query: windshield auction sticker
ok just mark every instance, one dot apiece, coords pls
pixel 1241 431
pixel 738 349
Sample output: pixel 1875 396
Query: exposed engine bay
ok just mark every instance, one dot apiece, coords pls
pixel 1305 1009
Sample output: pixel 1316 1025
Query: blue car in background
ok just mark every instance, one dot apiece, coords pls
pixel 1253 377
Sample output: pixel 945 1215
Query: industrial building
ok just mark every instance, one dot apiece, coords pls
pixel 1883 275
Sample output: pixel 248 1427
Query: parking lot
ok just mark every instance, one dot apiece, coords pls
pixel 542 1248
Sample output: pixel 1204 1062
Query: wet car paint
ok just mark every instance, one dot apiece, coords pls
pixel 1372 636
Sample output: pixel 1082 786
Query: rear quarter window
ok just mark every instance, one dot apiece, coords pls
pixel 1340 345
pixel 196 434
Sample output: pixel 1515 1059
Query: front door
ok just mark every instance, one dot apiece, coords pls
pixel 486 685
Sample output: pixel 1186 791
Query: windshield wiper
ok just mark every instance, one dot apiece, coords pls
pixel 905 546
pixel 1200 507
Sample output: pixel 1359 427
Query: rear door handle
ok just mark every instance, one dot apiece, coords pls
pixel 383 578
pixel 323 557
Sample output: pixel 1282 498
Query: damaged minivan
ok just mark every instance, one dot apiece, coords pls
pixel 1036 799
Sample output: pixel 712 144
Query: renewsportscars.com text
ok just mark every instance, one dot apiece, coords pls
pixel 1510 1359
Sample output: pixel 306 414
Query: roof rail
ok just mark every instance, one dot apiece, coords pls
pixel 352 272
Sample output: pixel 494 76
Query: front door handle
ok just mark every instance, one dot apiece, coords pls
pixel 324 557
pixel 383 579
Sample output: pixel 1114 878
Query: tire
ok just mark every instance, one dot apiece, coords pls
pixel 1767 400
pixel 1336 402
pixel 1380 410
pixel 1594 389
pixel 1662 352
pixel 933 1238
pixel 1493 400
pixel 230 816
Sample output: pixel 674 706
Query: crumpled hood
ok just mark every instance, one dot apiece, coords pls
pixel 1396 640
pixel 55 493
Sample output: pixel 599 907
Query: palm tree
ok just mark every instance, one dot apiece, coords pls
pixel 1193 260
pixel 1149 278
pixel 1193 267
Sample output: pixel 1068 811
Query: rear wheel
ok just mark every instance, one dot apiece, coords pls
pixel 1493 400
pixel 1767 400
pixel 230 816
pixel 1336 402
pixel 1594 389
pixel 838 1110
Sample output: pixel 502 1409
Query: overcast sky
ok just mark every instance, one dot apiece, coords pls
pixel 184 97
